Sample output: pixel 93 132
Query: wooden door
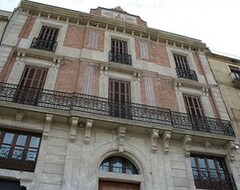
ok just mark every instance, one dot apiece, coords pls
pixel 111 185
pixel 119 95
pixel 30 85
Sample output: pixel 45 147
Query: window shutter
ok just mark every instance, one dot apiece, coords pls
pixel 144 51
pixel 93 40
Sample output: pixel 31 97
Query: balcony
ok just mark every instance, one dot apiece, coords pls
pixel 17 159
pixel 186 73
pixel 107 107
pixel 235 78
pixel 44 45
pixel 120 58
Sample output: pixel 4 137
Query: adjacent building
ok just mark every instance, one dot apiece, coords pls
pixel 101 101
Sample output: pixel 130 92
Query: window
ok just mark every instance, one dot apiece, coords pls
pixel 19 150
pixel 46 39
pixel 119 52
pixel 93 40
pixel 118 164
pixel 182 67
pixel 193 105
pixel 235 74
pixel 119 95
pixel 210 173
pixel 32 81
pixel 144 51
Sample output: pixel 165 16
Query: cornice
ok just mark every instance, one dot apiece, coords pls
pixel 223 58
pixel 80 18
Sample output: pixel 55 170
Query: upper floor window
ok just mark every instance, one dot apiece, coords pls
pixel 19 150
pixel 193 105
pixel 210 173
pixel 182 67
pixel 118 164
pixel 31 82
pixel 235 74
pixel 119 52
pixel 47 39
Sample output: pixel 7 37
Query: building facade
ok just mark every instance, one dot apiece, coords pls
pixel 100 101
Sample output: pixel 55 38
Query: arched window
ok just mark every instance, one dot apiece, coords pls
pixel 118 164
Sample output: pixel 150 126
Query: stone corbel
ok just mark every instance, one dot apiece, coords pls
pixel 166 141
pixel 56 62
pixel 73 129
pixel 48 125
pixel 136 76
pixel 121 138
pixel 88 129
pixel 177 85
pixel 103 70
pixel 154 137
pixel 19 116
pixel 232 147
pixel 187 144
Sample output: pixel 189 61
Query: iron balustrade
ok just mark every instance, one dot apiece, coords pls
pixel 104 106
pixel 213 180
pixel 18 158
pixel 44 44
pixel 120 57
pixel 186 73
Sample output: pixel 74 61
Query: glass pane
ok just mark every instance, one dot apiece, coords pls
pixel 8 138
pixel 105 166
pixel 4 151
pixel 211 164
pixel 117 165
pixel 21 140
pixel 17 153
pixel 201 162
pixel 34 143
pixel 193 163
pixel 31 155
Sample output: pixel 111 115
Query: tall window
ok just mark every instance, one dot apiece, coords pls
pixel 119 94
pixel 46 39
pixel 19 150
pixel 210 173
pixel 32 81
pixel 118 164
pixel 119 52
pixel 183 69
pixel 193 105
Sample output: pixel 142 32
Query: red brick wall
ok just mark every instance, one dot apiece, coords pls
pixel 166 93
pixel 100 46
pixel 27 28
pixel 157 52
pixel 74 36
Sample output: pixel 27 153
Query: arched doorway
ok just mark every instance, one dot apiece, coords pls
pixel 122 168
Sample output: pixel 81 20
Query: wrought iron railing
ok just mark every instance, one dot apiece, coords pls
pixel 18 159
pixel 104 106
pixel 213 180
pixel 120 57
pixel 186 73
pixel 44 44
pixel 235 78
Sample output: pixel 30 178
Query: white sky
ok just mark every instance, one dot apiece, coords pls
pixel 215 22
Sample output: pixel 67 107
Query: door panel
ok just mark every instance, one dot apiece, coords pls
pixel 110 185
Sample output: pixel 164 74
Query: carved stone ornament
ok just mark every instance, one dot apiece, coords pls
pixel 88 129
pixel 121 138
pixel 154 137
pixel 19 116
pixel 73 129
pixel 166 141
pixel 187 144
pixel 232 147
pixel 48 125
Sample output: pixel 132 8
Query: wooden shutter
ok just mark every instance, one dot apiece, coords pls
pixel 119 46
pixel 181 61
pixel 193 105
pixel 48 34
pixel 144 51
pixel 119 91
pixel 33 77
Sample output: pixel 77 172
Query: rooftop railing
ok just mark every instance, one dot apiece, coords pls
pixel 104 106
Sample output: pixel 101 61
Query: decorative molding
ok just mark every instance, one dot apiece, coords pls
pixel 103 70
pixel 19 116
pixel 154 137
pixel 121 138
pixel 166 141
pixel 48 125
pixel 88 129
pixel 232 147
pixel 187 144
pixel 73 130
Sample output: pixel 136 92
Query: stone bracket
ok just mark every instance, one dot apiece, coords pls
pixel 48 125
pixel 154 137
pixel 19 116
pixel 88 129
pixel 73 129
pixel 121 138
pixel 232 147
pixel 166 141
pixel 187 139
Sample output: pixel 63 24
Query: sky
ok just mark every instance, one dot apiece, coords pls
pixel 215 22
